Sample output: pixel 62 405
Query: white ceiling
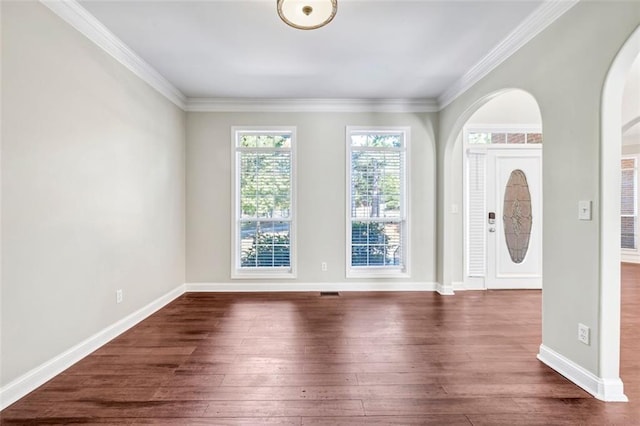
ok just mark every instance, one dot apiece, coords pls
pixel 373 49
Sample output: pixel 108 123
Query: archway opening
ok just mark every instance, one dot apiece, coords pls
pixel 630 233
pixel 611 239
pixel 507 123
pixel 502 216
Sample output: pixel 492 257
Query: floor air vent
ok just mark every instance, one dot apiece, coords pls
pixel 329 293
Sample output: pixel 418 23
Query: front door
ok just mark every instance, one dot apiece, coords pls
pixel 505 187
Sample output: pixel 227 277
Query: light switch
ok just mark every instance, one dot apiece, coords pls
pixel 584 210
pixel 455 209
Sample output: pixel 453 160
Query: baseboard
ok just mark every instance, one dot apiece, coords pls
pixel 243 287
pixel 28 382
pixel 469 284
pixel 610 390
pixel 458 286
pixel 445 289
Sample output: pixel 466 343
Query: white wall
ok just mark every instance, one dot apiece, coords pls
pixel 92 189
pixel 564 68
pixel 513 107
pixel 631 144
pixel 321 176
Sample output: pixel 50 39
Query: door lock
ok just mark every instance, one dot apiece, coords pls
pixel 492 218
pixel 492 221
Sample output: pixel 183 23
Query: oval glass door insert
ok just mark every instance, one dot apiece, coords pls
pixel 517 216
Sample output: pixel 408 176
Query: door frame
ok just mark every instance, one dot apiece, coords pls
pixel 474 282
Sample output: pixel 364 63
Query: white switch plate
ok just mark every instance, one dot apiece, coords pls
pixel 455 209
pixel 584 210
pixel 119 296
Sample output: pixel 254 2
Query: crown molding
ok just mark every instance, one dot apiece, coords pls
pixel 310 105
pixel 79 18
pixel 535 23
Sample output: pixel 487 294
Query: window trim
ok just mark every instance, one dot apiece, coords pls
pixel 237 272
pixel 501 128
pixel 636 159
pixel 388 271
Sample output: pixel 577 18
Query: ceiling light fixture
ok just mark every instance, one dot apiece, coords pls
pixel 307 14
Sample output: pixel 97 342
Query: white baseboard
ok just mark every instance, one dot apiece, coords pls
pixel 31 380
pixel 28 382
pixel 469 284
pixel 610 390
pixel 445 289
pixel 232 287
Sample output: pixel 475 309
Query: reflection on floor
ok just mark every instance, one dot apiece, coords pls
pixel 360 358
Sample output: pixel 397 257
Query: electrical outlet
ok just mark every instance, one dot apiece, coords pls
pixel 323 266
pixel 119 296
pixel 583 333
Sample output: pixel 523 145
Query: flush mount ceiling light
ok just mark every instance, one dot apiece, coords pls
pixel 307 14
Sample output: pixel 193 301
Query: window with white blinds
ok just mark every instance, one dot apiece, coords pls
pixel 377 226
pixel 263 202
pixel 476 255
pixel 628 204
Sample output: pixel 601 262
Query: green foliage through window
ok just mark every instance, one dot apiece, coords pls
pixel 371 245
pixel 267 249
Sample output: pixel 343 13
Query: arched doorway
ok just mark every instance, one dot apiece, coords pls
pixel 505 112
pixel 502 194
pixel 610 241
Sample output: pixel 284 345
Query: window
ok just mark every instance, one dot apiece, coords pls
pixel 628 210
pixel 263 203
pixel 377 228
pixel 514 138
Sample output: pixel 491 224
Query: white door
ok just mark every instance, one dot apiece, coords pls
pixel 504 217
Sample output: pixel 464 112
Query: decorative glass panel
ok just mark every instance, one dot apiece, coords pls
pixel 517 217
pixel 498 138
pixel 534 137
pixel 516 138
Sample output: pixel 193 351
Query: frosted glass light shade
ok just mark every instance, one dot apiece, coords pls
pixel 307 14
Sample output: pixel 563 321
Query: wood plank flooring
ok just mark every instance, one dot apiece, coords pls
pixel 361 358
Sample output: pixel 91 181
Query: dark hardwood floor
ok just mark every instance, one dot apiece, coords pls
pixel 361 358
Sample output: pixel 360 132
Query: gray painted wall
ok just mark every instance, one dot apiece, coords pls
pixel 92 189
pixel 565 69
pixel 93 182
pixel 321 157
